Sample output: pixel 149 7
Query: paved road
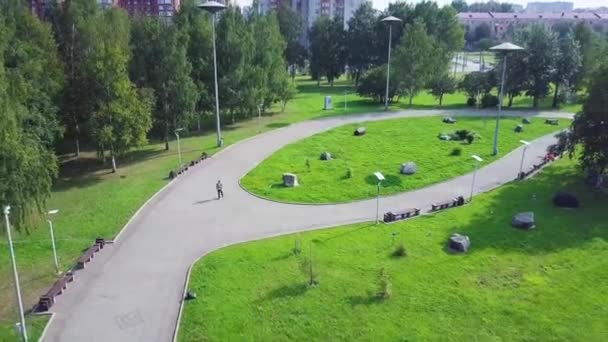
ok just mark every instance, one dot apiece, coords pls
pixel 132 290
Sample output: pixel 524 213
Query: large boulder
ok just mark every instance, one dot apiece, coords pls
pixel 360 131
pixel 552 122
pixel 443 136
pixel 449 120
pixel 409 168
pixel 519 128
pixel 524 220
pixel 325 156
pixel 526 121
pixel 459 243
pixel 290 180
pixel 565 200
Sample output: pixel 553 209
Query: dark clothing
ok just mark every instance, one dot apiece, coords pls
pixel 220 193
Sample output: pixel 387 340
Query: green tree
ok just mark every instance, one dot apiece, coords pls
pixel 286 92
pixel 442 84
pixel 373 84
pixel 590 129
pixel 361 32
pixel 292 27
pixel 460 6
pixel 416 60
pixel 476 84
pixel 328 52
pixel 160 63
pixel 568 66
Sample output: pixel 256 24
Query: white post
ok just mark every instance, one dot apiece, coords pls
pixel 179 149
pixel 502 84
pixel 473 182
pixel 378 204
pixel 7 210
pixel 53 244
pixel 388 64
pixel 523 156
pixel 217 100
pixel 259 118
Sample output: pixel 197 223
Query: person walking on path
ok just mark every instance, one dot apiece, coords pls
pixel 219 187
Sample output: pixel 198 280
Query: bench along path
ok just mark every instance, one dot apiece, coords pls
pixel 132 291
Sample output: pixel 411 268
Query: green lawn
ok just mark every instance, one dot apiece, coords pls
pixel 94 202
pixel 387 145
pixel 35 326
pixel 543 285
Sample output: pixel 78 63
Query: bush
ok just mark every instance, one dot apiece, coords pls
pixel 309 270
pixel 349 173
pixel 471 102
pixel 384 285
pixel 461 134
pixel 308 164
pixel 400 251
pixel 297 248
pixel 489 100
pixel 456 151
pixel 469 138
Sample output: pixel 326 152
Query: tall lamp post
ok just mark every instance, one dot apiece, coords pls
pixel 523 155
pixel 380 178
pixel 479 160
pixel 179 147
pixel 504 48
pixel 53 212
pixel 22 328
pixel 390 20
pixel 213 7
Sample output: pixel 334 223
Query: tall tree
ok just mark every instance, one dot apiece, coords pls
pixel 31 80
pixel 416 59
pixel 361 34
pixel 590 129
pixel 160 63
pixel 328 52
pixel 291 25
pixel 460 6
pixel 568 66
pixel 440 85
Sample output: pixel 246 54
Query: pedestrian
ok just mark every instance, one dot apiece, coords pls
pixel 219 187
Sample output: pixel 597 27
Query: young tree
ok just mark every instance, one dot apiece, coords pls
pixel 160 63
pixel 568 65
pixel 477 83
pixel 416 60
pixel 373 84
pixel 361 53
pixel 442 84
pixel 286 92
pixel 590 129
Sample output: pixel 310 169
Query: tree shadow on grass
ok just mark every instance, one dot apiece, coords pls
pixel 556 228
pixel 278 124
pixel 389 181
pixel 368 299
pixel 286 291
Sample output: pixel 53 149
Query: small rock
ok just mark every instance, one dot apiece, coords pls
pixel 565 200
pixel 290 180
pixel 524 220
pixel 552 121
pixel 325 156
pixel 459 243
pixel 444 137
pixel 172 174
pixel 409 168
pixel 449 120
pixel 526 121
pixel 190 295
pixel 519 128
pixel 360 131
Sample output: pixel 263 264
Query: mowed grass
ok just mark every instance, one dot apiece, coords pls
pixel 548 284
pixel 94 202
pixel 387 145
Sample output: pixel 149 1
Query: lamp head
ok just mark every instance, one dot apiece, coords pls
pixel 6 210
pixel 212 6
pixel 53 212
pixel 506 47
pixel 179 129
pixel 379 176
pixel 478 158
pixel 390 19
pixel 525 142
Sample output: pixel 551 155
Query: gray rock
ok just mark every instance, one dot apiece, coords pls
pixel 449 120
pixel 459 243
pixel 519 128
pixel 409 168
pixel 524 220
pixel 325 156
pixel 444 137
pixel 552 121
pixel 526 121
pixel 290 180
pixel 360 131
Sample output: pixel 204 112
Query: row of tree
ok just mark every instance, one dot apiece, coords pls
pixel 99 78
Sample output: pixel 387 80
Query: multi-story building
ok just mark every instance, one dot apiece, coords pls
pixel 161 8
pixel 310 10
pixel 502 24
pixel 546 7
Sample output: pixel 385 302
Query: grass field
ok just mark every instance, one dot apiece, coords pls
pixel 542 285
pixel 94 202
pixel 387 145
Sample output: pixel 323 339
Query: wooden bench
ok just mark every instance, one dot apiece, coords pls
pixel 87 256
pixel 454 202
pixel 48 299
pixel 392 216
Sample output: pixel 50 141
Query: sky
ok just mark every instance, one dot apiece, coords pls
pixel 381 4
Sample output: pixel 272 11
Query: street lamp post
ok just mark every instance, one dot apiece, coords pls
pixel 23 330
pixel 523 155
pixel 53 212
pixel 390 20
pixel 380 178
pixel 179 147
pixel 260 117
pixel 504 48
pixel 479 160
pixel 213 7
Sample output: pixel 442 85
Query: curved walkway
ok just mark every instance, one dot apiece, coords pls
pixel 132 290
